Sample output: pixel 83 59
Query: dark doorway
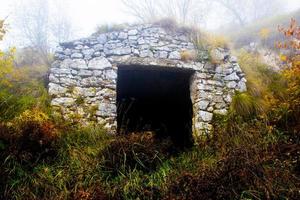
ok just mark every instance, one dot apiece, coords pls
pixel 155 99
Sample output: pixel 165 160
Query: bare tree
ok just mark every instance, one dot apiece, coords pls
pixel 143 10
pixel 60 25
pixel 246 11
pixel 184 11
pixel 41 25
pixel 32 23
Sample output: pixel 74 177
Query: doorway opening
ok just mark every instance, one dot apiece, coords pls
pixel 156 99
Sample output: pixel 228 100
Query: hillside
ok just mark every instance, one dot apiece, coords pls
pixel 242 36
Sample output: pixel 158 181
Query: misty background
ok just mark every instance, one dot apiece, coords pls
pixel 45 23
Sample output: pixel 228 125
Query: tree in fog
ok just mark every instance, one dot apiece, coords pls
pixel 184 11
pixel 246 11
pixel 60 27
pixel 32 23
pixel 41 27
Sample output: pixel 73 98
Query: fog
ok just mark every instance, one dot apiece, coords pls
pixel 83 16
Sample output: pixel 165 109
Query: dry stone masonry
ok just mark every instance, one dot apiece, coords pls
pixel 83 78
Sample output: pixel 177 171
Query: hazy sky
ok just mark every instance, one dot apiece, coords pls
pixel 87 14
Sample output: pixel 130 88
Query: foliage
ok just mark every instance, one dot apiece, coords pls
pixel 245 105
pixel 292 33
pixel 2 29
pixel 135 152
pixel 30 136
pixel 242 36
pixel 71 173
pixel 6 66
pixel 187 56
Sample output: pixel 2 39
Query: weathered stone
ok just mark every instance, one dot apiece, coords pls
pixel 76 55
pixel 85 73
pixel 86 92
pixel 67 81
pixel 99 63
pixel 107 110
pixel 60 71
pixel 203 105
pixel 220 112
pixel 175 55
pixel 63 102
pixel 120 51
pixel 233 59
pixel 102 39
pixel 98 47
pixel 205 116
pixel 232 77
pixel 78 64
pixel 242 86
pixel 162 54
pixel 110 74
pixel 231 84
pixel 88 52
pixel 123 36
pixel 55 89
pixel 53 79
pixel 133 32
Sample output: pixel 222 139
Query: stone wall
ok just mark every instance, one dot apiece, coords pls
pixel 83 76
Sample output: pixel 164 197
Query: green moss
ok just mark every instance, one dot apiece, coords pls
pixel 79 100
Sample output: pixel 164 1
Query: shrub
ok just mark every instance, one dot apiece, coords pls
pixel 134 152
pixel 187 55
pixel 241 174
pixel 245 105
pixel 30 137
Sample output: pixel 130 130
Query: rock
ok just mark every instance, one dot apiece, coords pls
pixel 86 92
pixel 203 126
pixel 110 74
pixel 85 73
pixel 76 55
pixel 63 101
pixel 121 51
pixel 232 77
pixel 98 47
pixel 228 99
pixel 233 59
pixel 141 41
pixel 231 84
pixel 133 32
pixel 162 54
pixel 102 39
pixel 68 81
pixel 205 116
pixel 91 82
pixel 123 36
pixel 60 71
pixel 88 52
pixel 237 68
pixel 221 112
pixel 53 79
pixel 203 105
pixel 106 110
pixel 99 63
pixel 78 64
pixel 55 89
pixel 146 53
pixel 175 55
pixel 242 87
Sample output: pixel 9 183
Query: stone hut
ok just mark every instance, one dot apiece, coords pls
pixel 136 79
